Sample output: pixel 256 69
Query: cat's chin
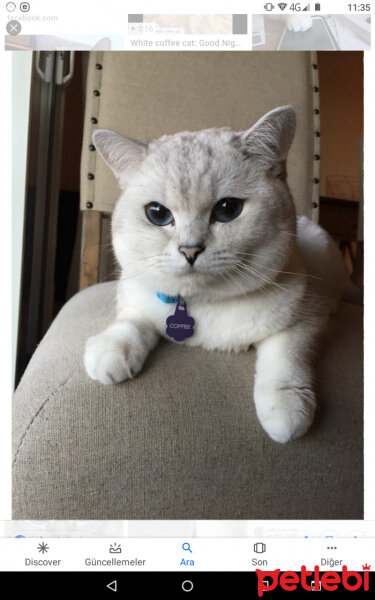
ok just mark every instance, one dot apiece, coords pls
pixel 193 283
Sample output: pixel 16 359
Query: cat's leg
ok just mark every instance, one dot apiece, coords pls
pixel 283 390
pixel 119 352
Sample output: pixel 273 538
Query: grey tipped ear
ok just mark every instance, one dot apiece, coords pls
pixel 121 154
pixel 271 137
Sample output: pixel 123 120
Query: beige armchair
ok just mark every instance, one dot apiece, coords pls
pixel 182 441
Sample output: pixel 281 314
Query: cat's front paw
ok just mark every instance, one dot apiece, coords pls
pixel 108 359
pixel 285 413
pixel 299 22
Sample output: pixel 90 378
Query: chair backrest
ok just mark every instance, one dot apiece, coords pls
pixel 146 94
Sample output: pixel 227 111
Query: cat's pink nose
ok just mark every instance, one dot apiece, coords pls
pixel 191 252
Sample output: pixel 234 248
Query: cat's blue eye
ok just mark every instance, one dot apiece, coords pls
pixel 158 214
pixel 227 209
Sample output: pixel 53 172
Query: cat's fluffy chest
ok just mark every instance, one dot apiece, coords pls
pixel 230 324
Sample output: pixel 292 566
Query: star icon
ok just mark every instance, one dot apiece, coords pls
pixel 43 547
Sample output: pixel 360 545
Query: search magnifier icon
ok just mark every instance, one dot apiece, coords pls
pixel 186 546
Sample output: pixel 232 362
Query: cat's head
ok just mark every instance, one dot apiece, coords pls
pixel 206 211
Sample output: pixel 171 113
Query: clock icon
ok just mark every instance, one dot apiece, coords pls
pixel 10 6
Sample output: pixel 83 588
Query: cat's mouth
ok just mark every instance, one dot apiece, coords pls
pixel 191 270
pixel 200 273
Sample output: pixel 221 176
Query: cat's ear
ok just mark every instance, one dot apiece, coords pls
pixel 121 154
pixel 271 137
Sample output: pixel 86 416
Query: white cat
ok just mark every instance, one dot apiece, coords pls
pixel 298 22
pixel 206 223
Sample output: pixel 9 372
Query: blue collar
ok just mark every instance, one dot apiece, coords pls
pixel 167 299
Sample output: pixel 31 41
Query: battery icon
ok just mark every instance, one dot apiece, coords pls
pixel 317 7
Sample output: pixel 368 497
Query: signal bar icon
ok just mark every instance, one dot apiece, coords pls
pixel 282 5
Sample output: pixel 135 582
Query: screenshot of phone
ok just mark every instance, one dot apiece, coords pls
pixel 186 372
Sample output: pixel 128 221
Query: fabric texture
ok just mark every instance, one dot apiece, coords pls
pixel 181 440
pixel 144 95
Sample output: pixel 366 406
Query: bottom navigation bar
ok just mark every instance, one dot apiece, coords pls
pixel 198 584
pixel 187 555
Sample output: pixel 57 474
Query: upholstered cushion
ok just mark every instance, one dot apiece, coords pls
pixel 180 441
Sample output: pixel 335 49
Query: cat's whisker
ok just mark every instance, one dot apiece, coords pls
pixel 141 272
pixel 143 258
pixel 306 297
pixel 112 275
pixel 117 273
pixel 232 278
pixel 262 277
pixel 268 283
pixel 283 255
pixel 276 270
pixel 251 280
